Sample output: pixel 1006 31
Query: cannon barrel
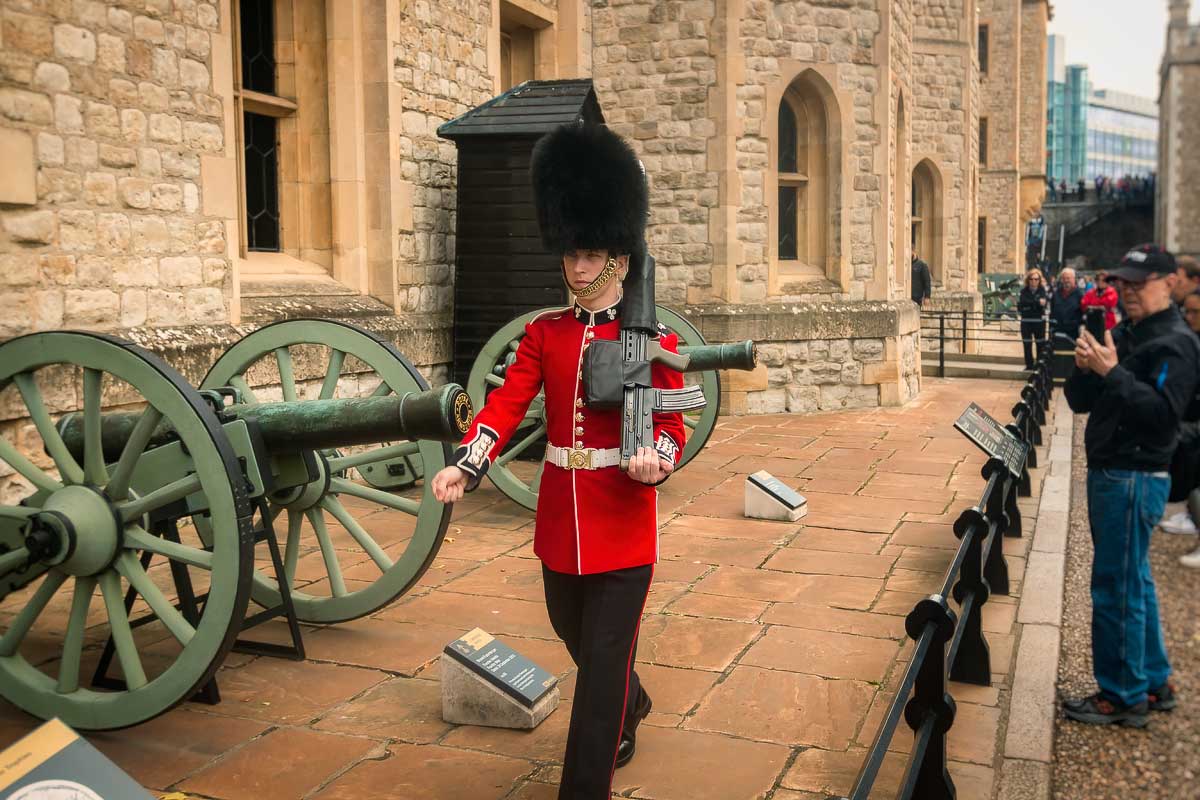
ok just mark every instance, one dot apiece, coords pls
pixel 734 355
pixel 442 414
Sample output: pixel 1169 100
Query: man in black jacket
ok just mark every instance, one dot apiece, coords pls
pixel 1136 386
pixel 922 281
pixel 1066 310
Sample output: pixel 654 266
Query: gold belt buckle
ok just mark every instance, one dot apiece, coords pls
pixel 579 459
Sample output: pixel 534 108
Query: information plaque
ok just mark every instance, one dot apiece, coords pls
pixel 55 762
pixel 503 667
pixel 993 438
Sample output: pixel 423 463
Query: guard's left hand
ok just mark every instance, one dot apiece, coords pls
pixel 646 466
pixel 1100 358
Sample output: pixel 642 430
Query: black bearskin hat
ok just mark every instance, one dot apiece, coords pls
pixel 589 190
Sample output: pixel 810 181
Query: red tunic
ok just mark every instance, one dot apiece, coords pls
pixel 587 520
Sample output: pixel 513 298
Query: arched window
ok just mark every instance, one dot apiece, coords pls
pixel 802 222
pixel 927 217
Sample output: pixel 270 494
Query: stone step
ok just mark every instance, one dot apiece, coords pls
pixel 265 300
pixel 979 358
pixel 998 372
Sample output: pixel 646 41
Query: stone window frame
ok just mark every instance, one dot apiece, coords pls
pixel 820 80
pixel 901 222
pixel 363 107
pixel 981 245
pixel 929 227
pixel 555 43
pixel 984 141
pixel 983 47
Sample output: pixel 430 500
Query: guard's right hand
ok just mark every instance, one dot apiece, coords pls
pixel 450 484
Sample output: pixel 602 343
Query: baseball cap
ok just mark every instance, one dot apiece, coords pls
pixel 1143 261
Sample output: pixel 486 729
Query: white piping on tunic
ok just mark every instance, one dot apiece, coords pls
pixel 574 493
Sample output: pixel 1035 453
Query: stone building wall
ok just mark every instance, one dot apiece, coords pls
pixel 1177 218
pixel 1035 18
pixel 945 120
pixel 106 113
pixel 999 92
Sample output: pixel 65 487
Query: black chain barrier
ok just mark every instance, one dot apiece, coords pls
pixel 950 645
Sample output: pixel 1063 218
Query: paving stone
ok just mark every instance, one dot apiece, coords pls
pixel 758 530
pixel 971 739
pixel 496 615
pixel 543 743
pixel 823 562
pixel 908 580
pixel 1032 708
pixel 924 534
pixel 839 541
pixel 505 576
pixel 971 780
pixel 679 571
pixel 428 771
pixel 784 707
pixel 866 524
pixel 662 594
pixel 379 644
pixel 831 590
pixel 691 642
pixel 690 765
pixel 782 468
pixel 833 655
pixel 695 604
pixel 675 691
pixel 821 618
pixel 168 748
pixel 289 692
pixel 709 550
pixel 478 544
pixel 407 709
pixel 827 772
pixel 1044 606
pixel 286 763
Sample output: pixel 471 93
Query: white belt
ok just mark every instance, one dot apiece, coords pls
pixel 584 458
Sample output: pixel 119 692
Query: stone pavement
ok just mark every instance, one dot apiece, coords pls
pixel 771 649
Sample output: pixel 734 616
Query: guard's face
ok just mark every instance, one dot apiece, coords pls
pixel 583 266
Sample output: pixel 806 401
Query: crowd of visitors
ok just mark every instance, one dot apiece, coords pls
pixel 1119 190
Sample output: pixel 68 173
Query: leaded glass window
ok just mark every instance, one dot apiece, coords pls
pixel 262 182
pixel 258 45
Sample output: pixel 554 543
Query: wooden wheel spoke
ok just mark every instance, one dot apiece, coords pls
pixel 343 486
pixel 341 463
pixel 521 446
pixel 13 559
pixel 26 468
pixel 239 382
pixel 94 470
pixel 24 620
pixel 333 568
pixel 332 373
pixel 690 422
pixel 381 390
pixel 68 670
pixel 138 538
pixel 118 485
pixel 164 495
pixel 68 467
pixel 535 485
pixel 347 521
pixel 494 380
pixel 128 565
pixel 287 376
pixel 122 634
pixel 18 513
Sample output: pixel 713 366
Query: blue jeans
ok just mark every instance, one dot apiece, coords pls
pixel 1128 655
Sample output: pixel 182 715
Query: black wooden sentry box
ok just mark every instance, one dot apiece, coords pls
pixel 501 268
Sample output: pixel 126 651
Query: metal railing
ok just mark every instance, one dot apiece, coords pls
pixel 949 645
pixel 965 327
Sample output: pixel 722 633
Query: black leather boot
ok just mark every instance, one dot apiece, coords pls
pixel 628 741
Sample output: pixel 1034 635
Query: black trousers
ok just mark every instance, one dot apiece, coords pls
pixel 1032 331
pixel 597 617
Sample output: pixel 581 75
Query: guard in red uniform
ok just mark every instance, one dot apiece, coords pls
pixel 597 528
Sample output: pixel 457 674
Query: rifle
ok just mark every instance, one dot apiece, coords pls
pixel 617 372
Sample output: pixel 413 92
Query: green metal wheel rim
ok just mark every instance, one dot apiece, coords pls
pixel 203 648
pixel 400 376
pixel 500 348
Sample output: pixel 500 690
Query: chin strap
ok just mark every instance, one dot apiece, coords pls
pixel 606 274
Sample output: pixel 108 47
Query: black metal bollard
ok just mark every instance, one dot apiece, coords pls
pixel 941 344
pixel 930 712
pixel 969 658
pixel 995 568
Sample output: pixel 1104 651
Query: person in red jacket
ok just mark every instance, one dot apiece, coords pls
pixel 1104 296
pixel 596 529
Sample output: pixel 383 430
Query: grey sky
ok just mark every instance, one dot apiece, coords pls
pixel 1121 41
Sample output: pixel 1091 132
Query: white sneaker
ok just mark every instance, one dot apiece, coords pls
pixel 1180 523
pixel 1192 559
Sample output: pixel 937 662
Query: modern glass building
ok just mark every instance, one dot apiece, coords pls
pixel 1122 135
pixel 1092 132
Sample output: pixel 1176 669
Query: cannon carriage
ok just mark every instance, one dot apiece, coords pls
pixel 140 524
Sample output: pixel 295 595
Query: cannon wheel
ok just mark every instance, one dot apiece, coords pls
pixel 108 539
pixel 350 586
pixel 498 353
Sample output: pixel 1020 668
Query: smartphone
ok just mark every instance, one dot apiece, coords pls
pixel 1094 323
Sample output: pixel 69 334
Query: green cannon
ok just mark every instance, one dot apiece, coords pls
pixel 519 477
pixel 140 525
